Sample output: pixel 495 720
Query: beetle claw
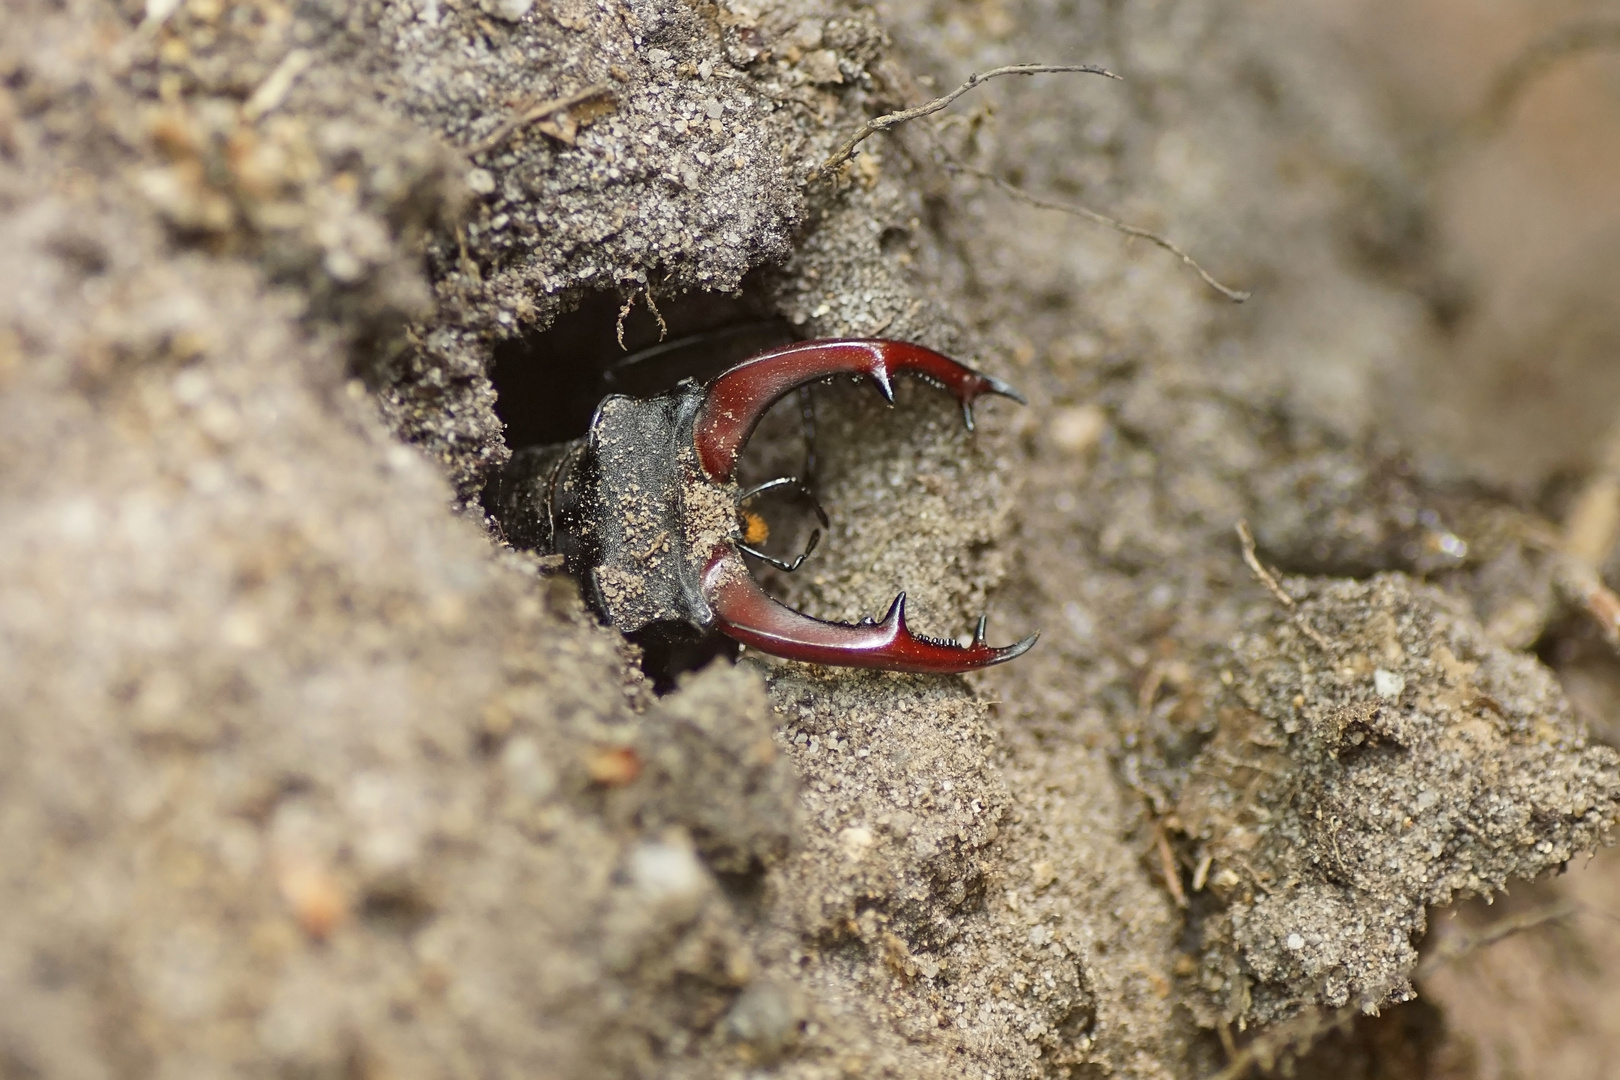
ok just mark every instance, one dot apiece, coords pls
pixel 736 400
pixel 996 386
pixel 743 611
pixel 652 469
pixel 993 386
pixel 885 385
pixel 732 406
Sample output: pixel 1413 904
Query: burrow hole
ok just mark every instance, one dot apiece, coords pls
pixel 549 382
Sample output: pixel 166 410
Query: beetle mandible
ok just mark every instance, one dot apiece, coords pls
pixel 645 513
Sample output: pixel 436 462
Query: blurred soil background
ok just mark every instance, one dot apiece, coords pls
pixel 1525 234
pixel 305 772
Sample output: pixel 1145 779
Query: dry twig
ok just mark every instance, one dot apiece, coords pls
pixel 894 119
pixel 1449 952
pixel 1246 539
pixel 538 112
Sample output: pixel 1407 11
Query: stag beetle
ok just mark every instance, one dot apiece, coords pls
pixel 645 513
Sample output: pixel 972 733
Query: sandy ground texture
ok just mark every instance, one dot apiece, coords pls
pixel 305 771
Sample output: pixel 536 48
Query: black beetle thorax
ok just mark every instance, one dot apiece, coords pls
pixel 634 516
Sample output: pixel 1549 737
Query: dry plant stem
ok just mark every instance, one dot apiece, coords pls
pixel 1246 539
pixel 1149 693
pixel 1578 584
pixel 273 90
pixel 894 119
pixel 533 113
pixel 1168 867
pixel 1237 296
pixel 1589 535
pixel 1298 1035
pixel 1593 524
pixel 1582 589
pixel 1535 61
pixel 1532 63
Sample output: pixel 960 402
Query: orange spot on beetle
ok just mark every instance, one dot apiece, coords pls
pixel 755 529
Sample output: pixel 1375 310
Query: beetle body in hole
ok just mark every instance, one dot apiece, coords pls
pixel 645 512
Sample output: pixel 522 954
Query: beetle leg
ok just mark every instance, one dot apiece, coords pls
pixel 788 481
pixel 781 564
pixel 734 402
pixel 815 534
pixel 744 612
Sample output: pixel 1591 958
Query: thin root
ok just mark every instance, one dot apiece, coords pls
pixel 624 313
pixel 894 119
pixel 1237 296
pixel 652 306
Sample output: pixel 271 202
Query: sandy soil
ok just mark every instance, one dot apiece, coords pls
pixel 306 772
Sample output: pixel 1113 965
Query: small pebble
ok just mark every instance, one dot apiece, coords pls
pixel 763 1017
pixel 1388 684
pixel 855 841
pixel 1078 428
pixel 668 876
pixel 808 34
pixel 526 768
pixel 821 67
pixel 317 901
pixel 613 766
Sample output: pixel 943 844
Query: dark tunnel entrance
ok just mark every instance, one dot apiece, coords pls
pixel 548 382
